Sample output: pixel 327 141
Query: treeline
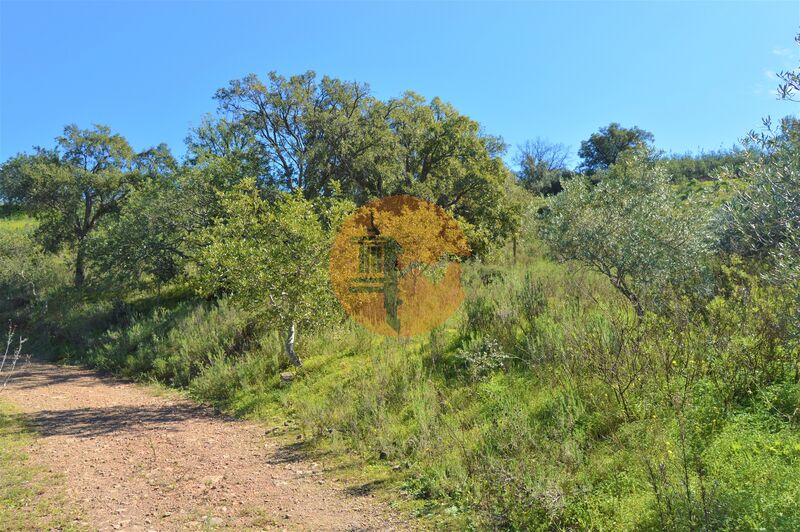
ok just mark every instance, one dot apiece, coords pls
pixel 322 137
pixel 144 219
pixel 325 138
pixel 291 155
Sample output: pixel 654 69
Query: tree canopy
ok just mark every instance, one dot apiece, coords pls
pixel 309 134
pixel 632 227
pixel 602 149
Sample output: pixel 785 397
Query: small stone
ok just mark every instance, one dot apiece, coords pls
pixel 287 376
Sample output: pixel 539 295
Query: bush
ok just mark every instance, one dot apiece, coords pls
pixel 482 357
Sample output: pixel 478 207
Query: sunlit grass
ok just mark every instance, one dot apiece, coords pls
pixel 30 496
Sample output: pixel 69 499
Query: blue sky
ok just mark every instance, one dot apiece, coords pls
pixel 698 75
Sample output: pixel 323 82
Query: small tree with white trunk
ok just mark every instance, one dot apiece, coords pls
pixel 271 256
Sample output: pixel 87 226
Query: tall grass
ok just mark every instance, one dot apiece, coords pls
pixel 544 403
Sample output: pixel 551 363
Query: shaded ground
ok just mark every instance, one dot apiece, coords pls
pixel 135 461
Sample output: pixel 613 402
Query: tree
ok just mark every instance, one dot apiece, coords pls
pixel 151 238
pixel 603 148
pixel 763 219
pixel 542 165
pixel 311 133
pixel 790 81
pixel 73 187
pixel 447 160
pixel 271 256
pixel 156 163
pixel 315 135
pixel 226 152
pixel 632 228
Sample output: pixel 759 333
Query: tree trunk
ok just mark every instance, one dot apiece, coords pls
pixel 80 259
pixel 293 358
pixel 620 285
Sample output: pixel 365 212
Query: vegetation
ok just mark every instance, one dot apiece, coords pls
pixel 627 355
pixel 22 483
pixel 602 149
pixel 633 228
pixel 542 166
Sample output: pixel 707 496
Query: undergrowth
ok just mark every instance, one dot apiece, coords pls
pixel 543 404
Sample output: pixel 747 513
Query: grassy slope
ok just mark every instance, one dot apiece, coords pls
pixel 528 447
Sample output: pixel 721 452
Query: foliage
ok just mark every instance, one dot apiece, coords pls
pixel 151 239
pixel 602 149
pixel 756 334
pixel 173 345
pixel 542 166
pixel 790 79
pixel 705 166
pixel 73 187
pixel 307 134
pixel 632 228
pixel 29 277
pixel 271 256
pixel 764 217
pixel 482 357
pixel 226 152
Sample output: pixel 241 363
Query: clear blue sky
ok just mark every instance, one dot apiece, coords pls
pixel 699 76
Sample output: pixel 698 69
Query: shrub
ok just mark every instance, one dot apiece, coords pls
pixel 482 357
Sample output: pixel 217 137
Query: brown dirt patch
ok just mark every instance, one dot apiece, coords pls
pixel 133 460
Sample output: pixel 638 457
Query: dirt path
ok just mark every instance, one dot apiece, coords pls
pixel 132 460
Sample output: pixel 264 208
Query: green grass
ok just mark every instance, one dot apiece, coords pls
pixel 537 439
pixel 14 218
pixel 30 496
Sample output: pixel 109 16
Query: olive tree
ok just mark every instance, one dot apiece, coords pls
pixel 762 220
pixel 766 213
pixel 632 228
pixel 271 256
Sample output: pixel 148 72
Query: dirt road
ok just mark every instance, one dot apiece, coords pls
pixel 133 460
